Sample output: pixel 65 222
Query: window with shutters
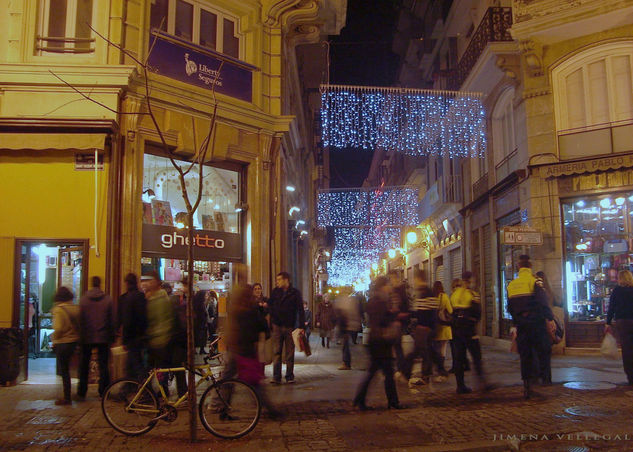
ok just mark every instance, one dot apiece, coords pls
pixel 504 142
pixel 197 23
pixel 64 27
pixel 593 95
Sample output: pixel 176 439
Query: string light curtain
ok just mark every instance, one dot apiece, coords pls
pixel 366 222
pixel 412 121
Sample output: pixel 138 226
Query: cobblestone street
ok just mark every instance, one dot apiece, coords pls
pixel 320 416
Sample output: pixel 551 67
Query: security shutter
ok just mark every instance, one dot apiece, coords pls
pixel 456 264
pixel 489 302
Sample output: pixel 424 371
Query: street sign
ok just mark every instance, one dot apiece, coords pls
pixel 521 235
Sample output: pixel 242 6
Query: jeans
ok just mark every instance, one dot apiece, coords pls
pixel 347 354
pixel 423 348
pixel 64 353
pixel 84 367
pixel 463 343
pixel 534 346
pixel 386 365
pixel 282 342
pixel 624 328
pixel 135 366
pixel 169 356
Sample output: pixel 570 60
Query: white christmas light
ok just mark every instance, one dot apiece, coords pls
pixel 415 122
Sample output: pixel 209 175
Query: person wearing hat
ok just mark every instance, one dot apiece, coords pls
pixel 65 337
pixel 527 304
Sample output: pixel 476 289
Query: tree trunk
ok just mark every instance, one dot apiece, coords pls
pixel 191 377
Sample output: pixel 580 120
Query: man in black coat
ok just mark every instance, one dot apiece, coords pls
pixel 286 308
pixel 132 319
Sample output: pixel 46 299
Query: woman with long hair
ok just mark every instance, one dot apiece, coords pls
pixel 443 331
pixel 621 309
pixel 65 337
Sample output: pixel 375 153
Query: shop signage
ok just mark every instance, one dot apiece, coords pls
pixel 198 66
pixel 86 162
pixel 171 242
pixel 521 235
pixel 587 166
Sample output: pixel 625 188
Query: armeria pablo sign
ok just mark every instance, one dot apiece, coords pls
pixel 189 63
pixel 171 242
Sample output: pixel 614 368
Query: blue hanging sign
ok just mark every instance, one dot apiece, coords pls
pixel 195 65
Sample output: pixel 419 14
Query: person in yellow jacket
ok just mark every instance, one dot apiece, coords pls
pixel 527 304
pixel 443 331
pixel 466 314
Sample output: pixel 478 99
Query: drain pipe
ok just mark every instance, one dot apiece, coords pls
pixel 96 201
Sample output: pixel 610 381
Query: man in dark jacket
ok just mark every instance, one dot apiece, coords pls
pixel 97 330
pixel 286 309
pixel 132 319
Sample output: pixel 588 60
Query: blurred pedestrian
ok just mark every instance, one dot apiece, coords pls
pixel 325 320
pixel 466 314
pixel 200 320
pixel 621 309
pixel 132 319
pixel 307 315
pixel 527 304
pixel 348 318
pixel 454 285
pixel 245 323
pixel 212 316
pixel 286 309
pixel 97 331
pixel 65 337
pixel 384 332
pixel 443 330
pixel 400 302
pixel 161 331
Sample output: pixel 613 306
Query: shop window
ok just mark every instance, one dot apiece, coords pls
pixel 597 246
pixel 163 203
pixel 64 27
pixel 193 21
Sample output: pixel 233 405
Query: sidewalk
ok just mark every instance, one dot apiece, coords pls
pixel 321 417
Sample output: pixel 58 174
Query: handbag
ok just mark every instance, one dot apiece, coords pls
pixel 555 330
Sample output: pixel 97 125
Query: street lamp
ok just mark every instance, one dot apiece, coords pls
pixel 290 188
pixel 391 253
pixel 293 209
pixel 412 237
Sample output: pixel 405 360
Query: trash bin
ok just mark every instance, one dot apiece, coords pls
pixel 11 344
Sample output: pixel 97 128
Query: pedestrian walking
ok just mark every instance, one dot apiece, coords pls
pixel 307 315
pixel 443 330
pixel 527 304
pixel 466 314
pixel 161 329
pixel 286 309
pixel 212 315
pixel 400 304
pixel 132 320
pixel 246 322
pixel 546 358
pixel 65 337
pixel 384 332
pixel 200 320
pixel 348 317
pixel 97 331
pixel 325 320
pixel 621 309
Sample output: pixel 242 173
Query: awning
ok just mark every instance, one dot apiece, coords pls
pixel 42 141
pixel 592 165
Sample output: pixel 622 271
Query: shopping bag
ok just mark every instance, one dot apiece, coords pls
pixel 296 339
pixel 609 347
pixel 305 344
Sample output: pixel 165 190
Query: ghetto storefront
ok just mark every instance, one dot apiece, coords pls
pixel 596 208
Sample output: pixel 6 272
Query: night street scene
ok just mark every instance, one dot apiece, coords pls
pixel 316 225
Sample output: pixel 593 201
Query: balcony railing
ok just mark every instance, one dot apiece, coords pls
pixel 452 188
pixel 597 139
pixel 481 186
pixel 494 27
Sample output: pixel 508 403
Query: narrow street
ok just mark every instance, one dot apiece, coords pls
pixel 320 416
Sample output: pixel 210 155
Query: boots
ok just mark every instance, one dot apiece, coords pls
pixel 327 341
pixel 322 342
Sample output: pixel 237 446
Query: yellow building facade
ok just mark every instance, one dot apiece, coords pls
pixel 88 188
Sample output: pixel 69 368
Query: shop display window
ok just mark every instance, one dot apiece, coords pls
pixel 598 245
pixel 206 275
pixel 163 203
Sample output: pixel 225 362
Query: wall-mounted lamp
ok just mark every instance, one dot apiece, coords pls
pixel 293 209
pixel 299 223
pixel 290 188
pixel 391 253
pixel 149 192
pixel 241 207
pixel 412 237
pixel 303 233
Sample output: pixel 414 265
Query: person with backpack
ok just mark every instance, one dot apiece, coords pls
pixel 65 337
pixel 527 304
pixel 443 331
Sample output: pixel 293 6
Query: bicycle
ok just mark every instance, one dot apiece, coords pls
pixel 228 408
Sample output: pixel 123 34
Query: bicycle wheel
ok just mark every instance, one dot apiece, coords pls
pixel 128 408
pixel 229 409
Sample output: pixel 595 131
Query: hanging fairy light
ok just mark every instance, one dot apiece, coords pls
pixel 412 121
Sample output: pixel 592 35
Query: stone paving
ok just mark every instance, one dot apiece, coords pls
pixel 320 416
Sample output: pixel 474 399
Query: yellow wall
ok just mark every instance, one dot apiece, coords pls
pixel 42 196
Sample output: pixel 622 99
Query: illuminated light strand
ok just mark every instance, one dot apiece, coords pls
pixel 415 122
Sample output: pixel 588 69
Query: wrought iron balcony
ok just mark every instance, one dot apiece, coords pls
pixel 481 186
pixel 494 27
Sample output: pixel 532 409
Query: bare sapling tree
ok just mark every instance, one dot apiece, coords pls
pixel 202 154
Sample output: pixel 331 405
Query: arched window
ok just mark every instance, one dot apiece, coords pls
pixel 504 142
pixel 593 98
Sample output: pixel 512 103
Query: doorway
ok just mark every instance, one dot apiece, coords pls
pixel 41 267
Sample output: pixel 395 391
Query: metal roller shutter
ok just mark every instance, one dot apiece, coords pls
pixel 456 264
